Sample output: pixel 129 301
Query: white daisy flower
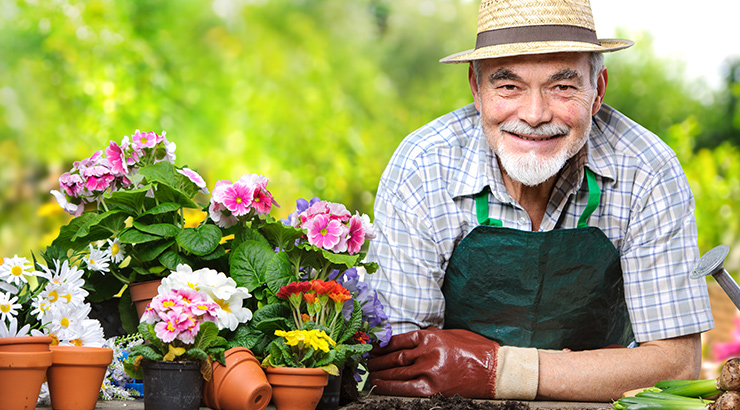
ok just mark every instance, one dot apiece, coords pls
pixel 115 247
pixel 8 307
pixel 97 259
pixel 65 322
pixel 64 274
pixel 16 270
pixel 11 329
pixel 91 334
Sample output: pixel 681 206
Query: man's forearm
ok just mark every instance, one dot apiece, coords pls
pixel 603 375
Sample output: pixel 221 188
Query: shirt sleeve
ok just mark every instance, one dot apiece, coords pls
pixel 659 250
pixel 409 277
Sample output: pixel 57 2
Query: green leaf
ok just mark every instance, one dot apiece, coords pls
pixel 112 220
pixel 133 235
pixel 283 236
pixel 341 259
pixel 279 272
pixel 201 240
pixel 127 312
pixel 207 334
pixel 148 333
pixel 245 336
pixel 354 323
pixel 147 351
pixel 68 232
pixel 196 354
pixel 151 251
pixel 163 230
pixel 162 209
pixel 170 259
pixel 161 172
pixel 217 253
pixel 127 200
pixel 249 262
pixel 248 234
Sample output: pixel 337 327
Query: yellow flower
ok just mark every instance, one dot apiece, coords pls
pixel 317 339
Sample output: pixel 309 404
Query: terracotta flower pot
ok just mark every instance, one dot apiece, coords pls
pixel 21 376
pixel 76 376
pixel 296 388
pixel 25 344
pixel 240 385
pixel 142 293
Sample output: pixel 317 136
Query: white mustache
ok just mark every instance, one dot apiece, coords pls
pixel 544 130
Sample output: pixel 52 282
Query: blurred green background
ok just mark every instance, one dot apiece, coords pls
pixel 313 94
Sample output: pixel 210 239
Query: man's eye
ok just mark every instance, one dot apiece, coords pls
pixel 508 87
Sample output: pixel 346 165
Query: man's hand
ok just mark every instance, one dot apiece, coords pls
pixel 451 361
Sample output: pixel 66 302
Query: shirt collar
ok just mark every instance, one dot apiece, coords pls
pixel 479 168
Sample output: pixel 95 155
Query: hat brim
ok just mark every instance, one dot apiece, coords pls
pixel 540 47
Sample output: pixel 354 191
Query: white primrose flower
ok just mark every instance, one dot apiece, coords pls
pixel 97 260
pixel 182 278
pixel 217 288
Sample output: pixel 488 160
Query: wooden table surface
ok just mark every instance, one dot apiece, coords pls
pixel 138 404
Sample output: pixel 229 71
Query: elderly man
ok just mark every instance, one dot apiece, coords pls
pixel 526 237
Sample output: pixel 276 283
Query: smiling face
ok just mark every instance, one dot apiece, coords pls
pixel 536 110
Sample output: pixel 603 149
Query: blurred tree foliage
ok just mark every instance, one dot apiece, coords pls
pixel 313 94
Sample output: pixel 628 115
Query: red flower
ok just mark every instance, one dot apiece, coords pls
pixel 310 298
pixel 293 288
pixel 361 337
pixel 339 293
pixel 321 287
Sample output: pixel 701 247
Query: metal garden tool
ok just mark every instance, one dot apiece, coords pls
pixel 711 264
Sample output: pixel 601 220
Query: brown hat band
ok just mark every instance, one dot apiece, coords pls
pixel 527 34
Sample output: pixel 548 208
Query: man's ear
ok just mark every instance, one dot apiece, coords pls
pixel 474 86
pixel 600 90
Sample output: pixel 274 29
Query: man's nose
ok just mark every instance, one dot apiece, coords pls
pixel 535 109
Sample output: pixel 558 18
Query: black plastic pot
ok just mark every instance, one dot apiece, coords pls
pixel 330 398
pixel 172 385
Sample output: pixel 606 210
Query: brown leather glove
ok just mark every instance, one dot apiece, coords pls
pixel 453 361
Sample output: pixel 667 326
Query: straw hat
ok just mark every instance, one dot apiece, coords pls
pixel 516 27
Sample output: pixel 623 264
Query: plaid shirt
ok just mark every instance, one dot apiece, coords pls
pixel 425 206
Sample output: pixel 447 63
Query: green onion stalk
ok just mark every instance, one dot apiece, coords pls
pixel 690 394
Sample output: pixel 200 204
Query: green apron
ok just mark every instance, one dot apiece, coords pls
pixel 550 290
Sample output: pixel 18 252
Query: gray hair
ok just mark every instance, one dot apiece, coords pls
pixel 596 60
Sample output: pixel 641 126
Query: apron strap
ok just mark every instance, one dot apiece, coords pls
pixel 481 209
pixel 594 197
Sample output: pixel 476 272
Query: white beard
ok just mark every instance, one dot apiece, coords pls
pixel 530 169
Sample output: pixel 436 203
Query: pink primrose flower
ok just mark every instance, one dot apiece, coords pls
pixel 69 207
pixel 99 183
pixel 170 327
pixel 117 161
pixel 146 139
pixel 356 235
pixel 195 178
pixel 221 216
pixel 254 180
pixel 188 329
pixel 263 201
pixel 238 199
pixel 219 190
pixel 338 211
pixel 71 184
pixel 323 232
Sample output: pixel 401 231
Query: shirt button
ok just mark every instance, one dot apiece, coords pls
pixel 521 221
